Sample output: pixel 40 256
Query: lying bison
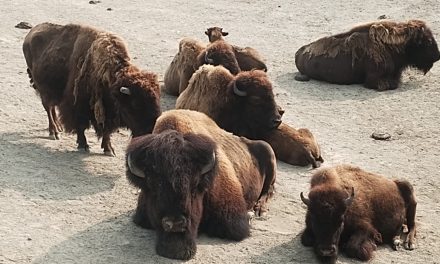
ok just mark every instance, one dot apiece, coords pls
pixel 248 58
pixel 374 54
pixel 294 146
pixel 243 104
pixel 195 177
pixel 87 74
pixel 357 210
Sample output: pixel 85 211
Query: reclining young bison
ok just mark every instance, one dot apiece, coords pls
pixel 243 104
pixel 87 74
pixel 356 210
pixel 373 54
pixel 195 177
pixel 193 53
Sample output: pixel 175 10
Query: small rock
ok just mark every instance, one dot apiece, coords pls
pixel 29 239
pixel 94 2
pixel 383 17
pixel 109 9
pixel 381 136
pixel 23 25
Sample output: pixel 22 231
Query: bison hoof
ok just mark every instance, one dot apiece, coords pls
pixel 85 149
pixel 54 136
pixel 301 77
pixel 110 153
pixel 409 246
pixel 397 243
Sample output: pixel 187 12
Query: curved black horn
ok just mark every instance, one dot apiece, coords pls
pixel 349 200
pixel 135 170
pixel 238 91
pixel 207 59
pixel 306 201
pixel 208 167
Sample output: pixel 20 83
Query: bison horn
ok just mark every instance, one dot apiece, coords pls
pixel 135 170
pixel 238 91
pixel 207 59
pixel 305 200
pixel 349 200
pixel 125 90
pixel 208 167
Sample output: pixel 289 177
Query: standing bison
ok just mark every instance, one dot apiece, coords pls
pixel 374 54
pixel 194 177
pixel 357 210
pixel 243 104
pixel 88 75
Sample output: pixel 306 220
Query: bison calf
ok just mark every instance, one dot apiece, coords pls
pixel 294 146
pixel 194 177
pixel 87 74
pixel 373 54
pixel 359 210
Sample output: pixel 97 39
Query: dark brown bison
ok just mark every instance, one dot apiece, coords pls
pixel 357 210
pixel 248 58
pixel 294 146
pixel 192 54
pixel 195 177
pixel 243 104
pixel 374 54
pixel 87 74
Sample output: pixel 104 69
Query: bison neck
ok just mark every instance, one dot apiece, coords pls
pixel 232 119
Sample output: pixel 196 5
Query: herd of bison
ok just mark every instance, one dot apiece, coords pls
pixel 210 164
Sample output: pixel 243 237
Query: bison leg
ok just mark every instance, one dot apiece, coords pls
pixel 107 146
pixel 176 245
pixel 407 192
pixel 230 225
pixel 58 125
pixel 53 131
pixel 363 242
pixel 140 216
pixel 81 140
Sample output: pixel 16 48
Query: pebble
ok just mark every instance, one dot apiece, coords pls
pixel 381 136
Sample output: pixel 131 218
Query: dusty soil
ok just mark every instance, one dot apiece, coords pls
pixel 61 206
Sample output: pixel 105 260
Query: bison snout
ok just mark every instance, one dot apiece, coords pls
pixel 328 251
pixel 174 224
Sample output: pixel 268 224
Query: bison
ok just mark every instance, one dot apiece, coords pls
pixel 294 146
pixel 357 210
pixel 87 74
pixel 192 54
pixel 243 104
pixel 374 54
pixel 194 176
pixel 248 58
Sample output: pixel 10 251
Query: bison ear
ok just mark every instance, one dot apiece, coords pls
pixel 207 32
pixel 238 91
pixel 125 90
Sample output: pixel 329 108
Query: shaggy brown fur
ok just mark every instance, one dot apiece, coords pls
pixel 88 75
pixel 374 54
pixel 194 177
pixel 247 110
pixel 248 58
pixel 294 146
pixel 347 206
pixel 192 54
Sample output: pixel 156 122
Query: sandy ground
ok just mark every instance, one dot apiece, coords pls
pixel 61 206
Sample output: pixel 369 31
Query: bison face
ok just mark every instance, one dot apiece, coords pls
pixel 423 53
pixel 137 94
pixel 174 172
pixel 255 103
pixel 220 53
pixel 326 210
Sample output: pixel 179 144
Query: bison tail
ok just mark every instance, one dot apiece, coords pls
pixel 407 193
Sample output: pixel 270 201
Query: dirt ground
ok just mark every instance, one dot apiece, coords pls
pixel 61 206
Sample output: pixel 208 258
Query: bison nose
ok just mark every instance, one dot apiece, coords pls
pixel 174 224
pixel 328 251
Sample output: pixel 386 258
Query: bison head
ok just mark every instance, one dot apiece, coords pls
pixel 137 94
pixel 422 50
pixel 326 208
pixel 220 53
pixel 174 172
pixel 215 33
pixel 256 106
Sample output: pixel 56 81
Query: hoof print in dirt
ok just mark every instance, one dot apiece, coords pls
pixel 381 136
pixel 23 25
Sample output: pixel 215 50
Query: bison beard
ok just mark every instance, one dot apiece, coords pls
pixel 88 76
pixel 188 183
